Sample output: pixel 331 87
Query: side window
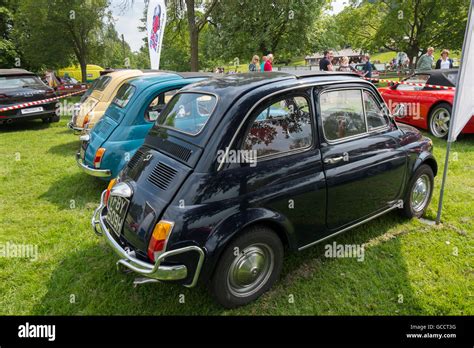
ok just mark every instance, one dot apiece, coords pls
pixel 158 104
pixel 342 114
pixel 281 126
pixel 375 115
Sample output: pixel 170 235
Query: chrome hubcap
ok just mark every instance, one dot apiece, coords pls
pixel 440 122
pixel 420 193
pixel 250 270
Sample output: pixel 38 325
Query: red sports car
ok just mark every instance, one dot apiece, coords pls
pixel 426 107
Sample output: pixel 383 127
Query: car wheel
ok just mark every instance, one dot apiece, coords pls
pixel 46 120
pixel 419 192
pixel 249 266
pixel 438 122
pixel 55 118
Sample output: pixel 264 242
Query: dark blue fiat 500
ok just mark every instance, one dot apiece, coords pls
pixel 238 169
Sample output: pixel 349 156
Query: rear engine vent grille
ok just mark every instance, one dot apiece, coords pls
pixel 162 175
pixel 174 149
pixel 137 157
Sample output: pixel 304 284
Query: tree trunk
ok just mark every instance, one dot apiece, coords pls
pixel 83 64
pixel 193 35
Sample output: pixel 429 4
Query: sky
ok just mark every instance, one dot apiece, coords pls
pixel 127 22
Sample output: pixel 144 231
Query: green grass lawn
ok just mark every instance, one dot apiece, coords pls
pixel 45 200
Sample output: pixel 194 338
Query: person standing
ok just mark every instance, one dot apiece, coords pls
pixel 444 62
pixel 367 68
pixel 262 64
pixel 426 61
pixel 254 66
pixel 325 64
pixel 269 63
pixel 345 65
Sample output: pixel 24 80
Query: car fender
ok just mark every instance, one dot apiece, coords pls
pixel 235 224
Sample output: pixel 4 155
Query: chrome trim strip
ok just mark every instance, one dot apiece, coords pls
pixel 100 173
pixel 297 87
pixel 399 204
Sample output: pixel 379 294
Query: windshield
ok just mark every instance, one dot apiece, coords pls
pixel 452 77
pixel 102 82
pixel 188 112
pixel 12 82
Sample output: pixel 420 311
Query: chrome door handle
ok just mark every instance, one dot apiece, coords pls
pixel 333 160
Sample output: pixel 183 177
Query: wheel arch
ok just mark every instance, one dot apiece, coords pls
pixel 233 226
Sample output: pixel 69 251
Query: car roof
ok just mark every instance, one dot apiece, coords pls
pixel 155 76
pixel 232 86
pixel 12 72
pixel 438 76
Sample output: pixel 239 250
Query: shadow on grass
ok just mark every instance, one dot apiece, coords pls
pixel 80 187
pixel 66 149
pixel 90 275
pixel 19 126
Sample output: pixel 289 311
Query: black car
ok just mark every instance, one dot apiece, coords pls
pixel 240 168
pixel 18 86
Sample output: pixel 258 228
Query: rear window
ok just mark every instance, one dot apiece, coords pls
pixel 102 82
pixel 123 96
pixel 12 82
pixel 188 112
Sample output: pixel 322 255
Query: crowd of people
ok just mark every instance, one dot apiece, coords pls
pixel 330 63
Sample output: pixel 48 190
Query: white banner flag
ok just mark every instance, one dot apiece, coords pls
pixel 464 100
pixel 156 21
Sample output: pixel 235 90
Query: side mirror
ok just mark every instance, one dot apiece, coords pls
pixel 399 111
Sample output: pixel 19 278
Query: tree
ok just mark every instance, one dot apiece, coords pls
pixel 197 13
pixel 8 52
pixel 247 27
pixel 409 26
pixel 52 32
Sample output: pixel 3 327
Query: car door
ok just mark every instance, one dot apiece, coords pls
pixel 363 163
pixel 284 174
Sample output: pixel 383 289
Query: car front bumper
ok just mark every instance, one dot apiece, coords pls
pixel 100 173
pixel 155 271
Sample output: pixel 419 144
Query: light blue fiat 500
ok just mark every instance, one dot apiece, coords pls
pixel 115 138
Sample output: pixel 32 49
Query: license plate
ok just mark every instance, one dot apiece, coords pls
pixel 116 210
pixel 32 110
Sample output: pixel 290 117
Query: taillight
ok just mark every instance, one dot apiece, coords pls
pixel 98 157
pixel 107 193
pixel 86 121
pixel 158 238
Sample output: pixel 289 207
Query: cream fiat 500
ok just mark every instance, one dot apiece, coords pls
pixel 94 103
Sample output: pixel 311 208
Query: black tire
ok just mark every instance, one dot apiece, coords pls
pixel 55 118
pixel 46 120
pixel 255 244
pixel 435 115
pixel 410 208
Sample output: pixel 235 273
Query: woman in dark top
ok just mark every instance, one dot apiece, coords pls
pixel 255 64
pixel 444 62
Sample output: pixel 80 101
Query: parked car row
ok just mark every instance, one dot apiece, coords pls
pixel 213 179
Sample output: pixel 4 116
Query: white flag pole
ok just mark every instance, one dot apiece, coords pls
pixel 452 138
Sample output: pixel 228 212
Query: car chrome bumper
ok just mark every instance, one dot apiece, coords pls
pixel 77 130
pixel 100 173
pixel 155 271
